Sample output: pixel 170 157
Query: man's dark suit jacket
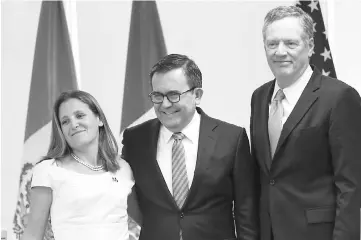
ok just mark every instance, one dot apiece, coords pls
pixel 311 188
pixel 224 173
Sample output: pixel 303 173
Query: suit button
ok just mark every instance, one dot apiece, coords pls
pixel 181 215
pixel 272 182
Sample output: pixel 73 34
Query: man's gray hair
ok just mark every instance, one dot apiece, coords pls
pixel 289 11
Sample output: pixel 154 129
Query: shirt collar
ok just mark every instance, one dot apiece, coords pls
pixel 294 91
pixel 191 131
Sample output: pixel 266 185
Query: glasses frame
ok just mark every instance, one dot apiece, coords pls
pixel 166 95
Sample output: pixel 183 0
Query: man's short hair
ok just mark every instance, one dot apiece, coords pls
pixel 175 61
pixel 289 11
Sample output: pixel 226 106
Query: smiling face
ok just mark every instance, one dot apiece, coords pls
pixel 80 126
pixel 287 49
pixel 175 116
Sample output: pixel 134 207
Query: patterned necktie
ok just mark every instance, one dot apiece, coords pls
pixel 275 120
pixel 179 170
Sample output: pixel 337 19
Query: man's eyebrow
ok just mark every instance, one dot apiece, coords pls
pixel 171 91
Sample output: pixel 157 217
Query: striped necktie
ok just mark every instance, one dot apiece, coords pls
pixel 179 170
pixel 179 173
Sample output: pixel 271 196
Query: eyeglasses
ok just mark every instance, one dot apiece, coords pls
pixel 172 96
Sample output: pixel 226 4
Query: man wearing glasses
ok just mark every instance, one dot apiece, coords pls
pixel 195 178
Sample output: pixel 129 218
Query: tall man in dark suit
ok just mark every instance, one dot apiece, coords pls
pixel 190 168
pixel 306 138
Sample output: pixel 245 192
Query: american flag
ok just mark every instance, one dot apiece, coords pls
pixel 321 57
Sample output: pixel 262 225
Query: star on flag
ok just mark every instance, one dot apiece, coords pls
pixel 326 55
pixel 326 34
pixel 325 73
pixel 313 5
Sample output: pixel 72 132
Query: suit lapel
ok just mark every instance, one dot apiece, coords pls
pixel 304 103
pixel 264 124
pixel 206 146
pixel 154 166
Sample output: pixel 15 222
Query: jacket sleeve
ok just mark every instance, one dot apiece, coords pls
pixel 246 191
pixel 345 144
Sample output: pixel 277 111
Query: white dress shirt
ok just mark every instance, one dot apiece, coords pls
pixel 190 143
pixel 292 93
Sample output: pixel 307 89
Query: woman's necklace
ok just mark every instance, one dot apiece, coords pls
pixel 91 167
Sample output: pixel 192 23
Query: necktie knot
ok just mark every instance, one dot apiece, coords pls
pixel 279 95
pixel 178 136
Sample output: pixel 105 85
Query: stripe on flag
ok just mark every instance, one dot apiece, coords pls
pixel 53 72
pixel 146 47
pixel 321 57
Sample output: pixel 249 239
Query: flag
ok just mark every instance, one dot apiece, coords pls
pixel 53 72
pixel 321 56
pixel 146 47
